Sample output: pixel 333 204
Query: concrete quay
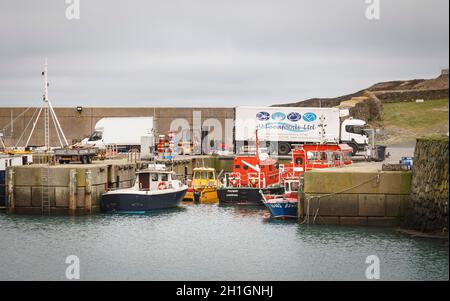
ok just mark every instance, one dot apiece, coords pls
pixel 355 195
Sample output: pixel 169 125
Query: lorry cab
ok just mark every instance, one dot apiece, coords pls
pixel 353 133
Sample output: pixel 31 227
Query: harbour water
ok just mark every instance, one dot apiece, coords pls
pixel 209 242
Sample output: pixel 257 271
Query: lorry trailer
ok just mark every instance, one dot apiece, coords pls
pixel 281 128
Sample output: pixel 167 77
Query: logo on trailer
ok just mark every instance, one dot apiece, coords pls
pixel 309 117
pixel 263 116
pixel 278 116
pixel 294 116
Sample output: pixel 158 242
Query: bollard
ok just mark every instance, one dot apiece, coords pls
pixel 72 191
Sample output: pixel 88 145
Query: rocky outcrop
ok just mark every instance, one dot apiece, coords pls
pixel 428 207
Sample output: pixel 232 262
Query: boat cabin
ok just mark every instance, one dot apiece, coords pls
pixel 204 177
pixel 154 180
pixel 311 156
pixel 251 171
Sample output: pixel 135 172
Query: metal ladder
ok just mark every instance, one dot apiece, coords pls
pixel 45 190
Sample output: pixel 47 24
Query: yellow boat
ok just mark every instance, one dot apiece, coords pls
pixel 203 188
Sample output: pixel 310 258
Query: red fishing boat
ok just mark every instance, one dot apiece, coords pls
pixel 251 174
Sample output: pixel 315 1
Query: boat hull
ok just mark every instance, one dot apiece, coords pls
pixel 282 209
pixel 202 196
pixel 139 203
pixel 245 195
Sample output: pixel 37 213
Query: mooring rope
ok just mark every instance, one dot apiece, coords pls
pixel 310 197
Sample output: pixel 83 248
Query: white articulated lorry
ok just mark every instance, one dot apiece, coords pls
pixel 282 127
pixel 124 132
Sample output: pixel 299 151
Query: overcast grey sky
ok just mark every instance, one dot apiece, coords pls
pixel 214 52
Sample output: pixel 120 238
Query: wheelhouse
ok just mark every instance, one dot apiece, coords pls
pixel 204 177
pixel 154 180
pixel 253 172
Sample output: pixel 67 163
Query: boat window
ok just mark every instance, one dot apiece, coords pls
pixel 197 175
pixel 204 175
pixel 237 167
pixel 210 175
pixel 286 186
pixel 164 177
pixel 245 167
pixel 154 177
pixel 294 186
pixel 96 136
pixel 299 161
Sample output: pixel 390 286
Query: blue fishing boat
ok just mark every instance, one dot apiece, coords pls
pixel 284 205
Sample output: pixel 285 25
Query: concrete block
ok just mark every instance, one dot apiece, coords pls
pixel 62 197
pixel 353 221
pixel 371 205
pixel 326 220
pixel 383 221
pixel 336 205
pixel 22 196
pixel 396 205
pixel 36 196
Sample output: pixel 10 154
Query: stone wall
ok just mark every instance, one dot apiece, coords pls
pixel 411 95
pixel 428 209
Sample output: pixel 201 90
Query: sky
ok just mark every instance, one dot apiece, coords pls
pixel 214 52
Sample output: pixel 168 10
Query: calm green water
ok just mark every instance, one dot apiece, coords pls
pixel 209 243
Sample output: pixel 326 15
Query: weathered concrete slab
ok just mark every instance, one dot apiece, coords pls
pixel 383 221
pixel 353 221
pixel 396 205
pixel 336 205
pixel 62 197
pixel 371 205
pixel 339 180
pixel 22 196
pixel 36 196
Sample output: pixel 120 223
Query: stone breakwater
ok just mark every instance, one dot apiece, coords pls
pixel 428 206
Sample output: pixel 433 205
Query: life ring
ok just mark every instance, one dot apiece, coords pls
pixel 162 186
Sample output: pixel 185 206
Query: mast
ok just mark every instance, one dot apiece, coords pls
pixel 49 113
pixel 46 109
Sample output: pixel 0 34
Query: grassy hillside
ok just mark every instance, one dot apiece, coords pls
pixel 406 121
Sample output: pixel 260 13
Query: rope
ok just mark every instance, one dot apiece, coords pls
pixel 310 197
pixel 18 116
pixel 26 128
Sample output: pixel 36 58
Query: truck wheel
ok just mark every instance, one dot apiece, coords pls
pixel 284 148
pixel 354 148
pixel 84 159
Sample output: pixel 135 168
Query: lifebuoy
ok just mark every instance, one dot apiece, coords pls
pixel 162 186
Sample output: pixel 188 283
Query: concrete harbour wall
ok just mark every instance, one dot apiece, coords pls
pixel 74 189
pixel 355 198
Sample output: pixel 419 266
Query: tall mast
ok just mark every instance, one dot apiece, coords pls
pixel 49 113
pixel 46 108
